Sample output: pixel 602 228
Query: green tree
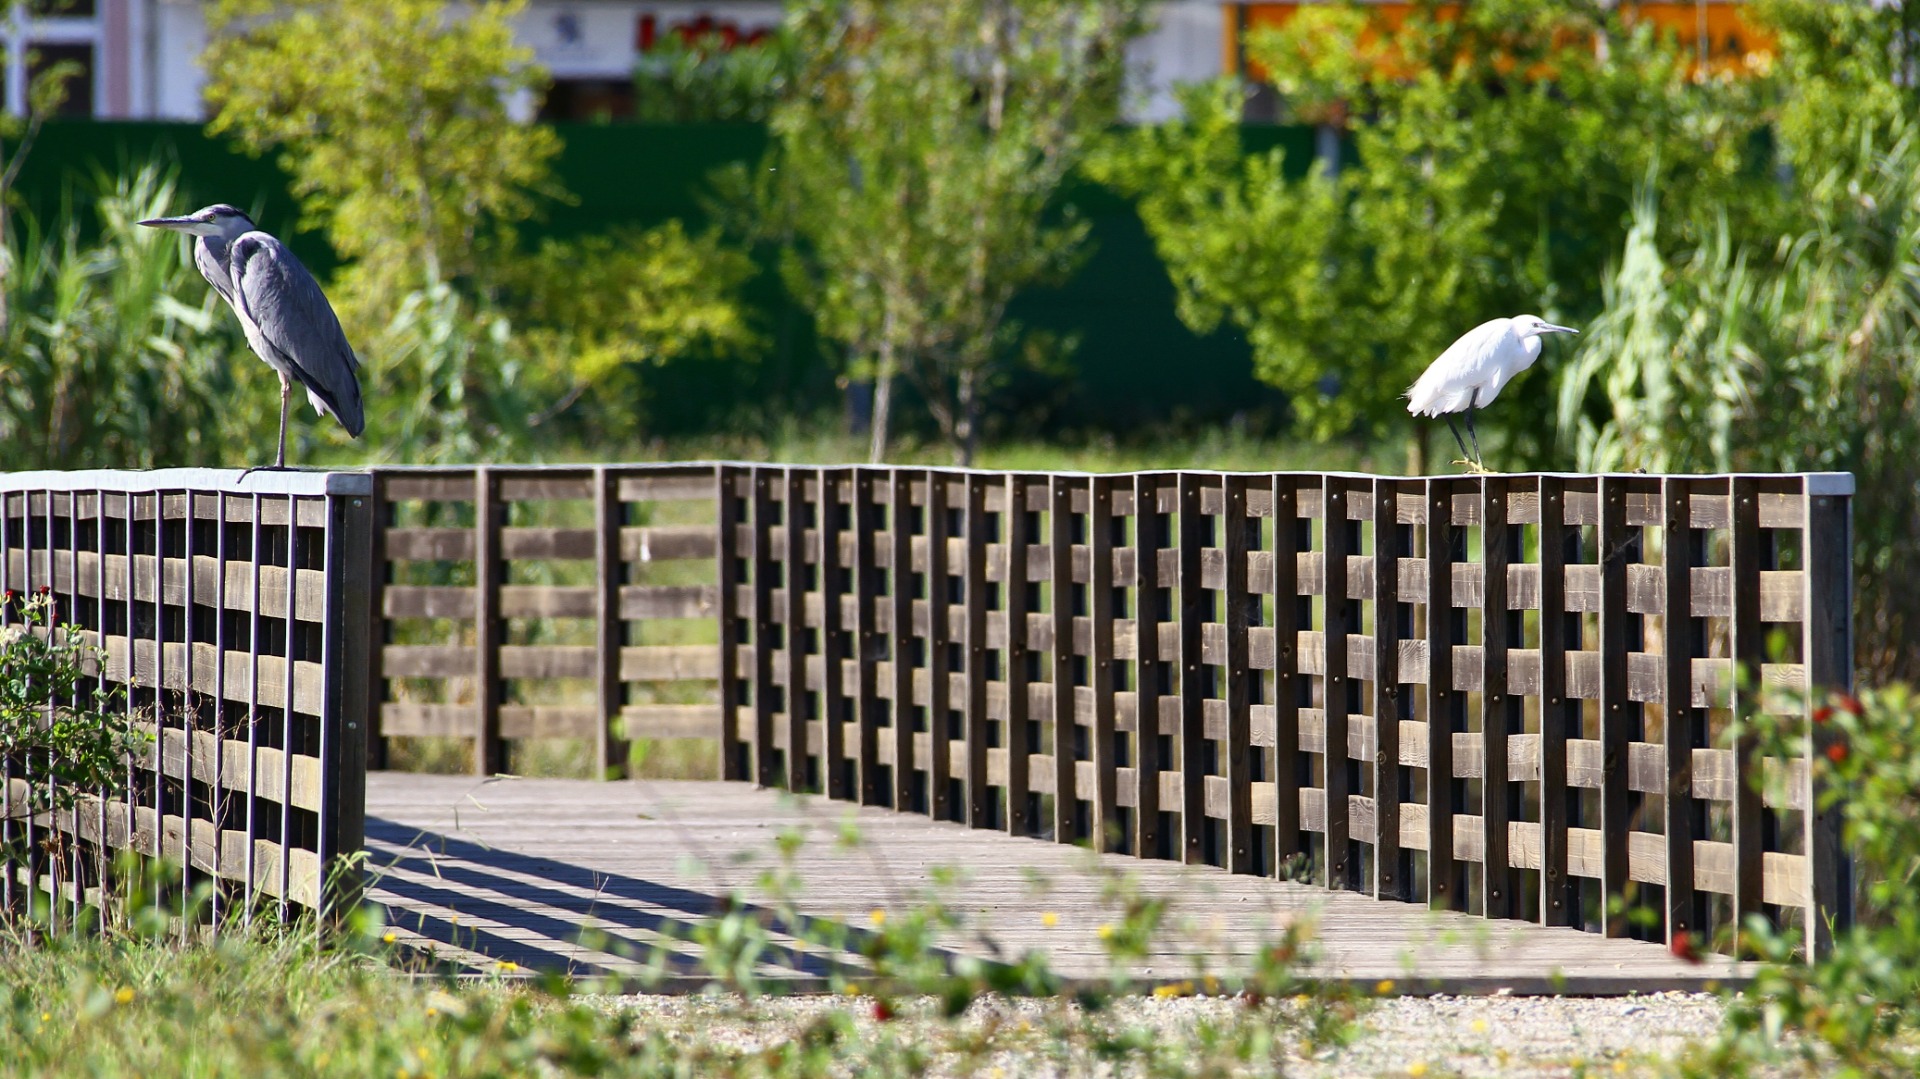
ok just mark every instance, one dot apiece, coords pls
pixel 392 118
pixel 1498 150
pixel 1799 349
pixel 918 165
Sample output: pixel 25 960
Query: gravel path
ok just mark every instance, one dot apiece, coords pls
pixel 1405 1036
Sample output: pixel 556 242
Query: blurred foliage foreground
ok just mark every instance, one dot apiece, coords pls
pixel 137 996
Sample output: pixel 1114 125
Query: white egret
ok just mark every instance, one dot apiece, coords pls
pixel 1473 371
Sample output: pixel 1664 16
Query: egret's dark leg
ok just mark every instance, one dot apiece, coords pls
pixel 1471 433
pixel 286 396
pixel 1456 434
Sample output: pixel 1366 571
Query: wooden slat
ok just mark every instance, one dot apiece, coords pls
pixel 1392 624
pixel 1445 545
pixel 1149 539
pixel 836 778
pixel 793 628
pixel 1291 614
pixel 1195 610
pixel 609 630
pixel 1749 649
pixel 1827 647
pixel 1019 597
pixel 899 631
pixel 1105 535
pixel 762 557
pixel 1062 599
pixel 682 484
pixel 489 754
pixel 1239 532
pixel 1340 539
pixel 868 651
pixel 1619 716
pixel 1500 714
pixel 1558 898
pixel 1682 548
pixel 939 497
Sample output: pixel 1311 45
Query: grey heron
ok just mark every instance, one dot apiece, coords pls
pixel 1473 371
pixel 287 319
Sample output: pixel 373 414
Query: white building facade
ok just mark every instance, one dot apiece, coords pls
pixel 140 58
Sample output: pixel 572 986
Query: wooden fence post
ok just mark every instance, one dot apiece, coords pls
pixel 1237 528
pixel 1498 710
pixel 1292 612
pixel 1061 591
pixel 1445 546
pixel 1392 623
pixel 1827 560
pixel 489 754
pixel 1557 892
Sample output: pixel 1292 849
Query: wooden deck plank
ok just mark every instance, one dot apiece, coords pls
pixel 526 864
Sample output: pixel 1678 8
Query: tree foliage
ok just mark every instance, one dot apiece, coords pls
pixel 391 116
pixel 1498 150
pixel 393 120
pixel 918 163
pixel 1798 349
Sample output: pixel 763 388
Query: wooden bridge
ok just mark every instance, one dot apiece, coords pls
pixel 1469 711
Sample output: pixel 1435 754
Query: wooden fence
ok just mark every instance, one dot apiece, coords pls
pixel 981 647
pixel 524 604
pixel 232 617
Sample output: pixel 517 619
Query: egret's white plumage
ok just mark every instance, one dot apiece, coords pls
pixel 1474 369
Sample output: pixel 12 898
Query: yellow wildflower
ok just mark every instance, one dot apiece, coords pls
pixel 1049 919
pixel 124 996
pixel 1479 1026
pixel 1106 932
pixel 878 916
pixel 1417 1069
pixel 1385 987
pixel 388 938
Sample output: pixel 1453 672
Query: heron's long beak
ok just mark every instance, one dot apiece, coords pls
pixel 178 224
pixel 1548 327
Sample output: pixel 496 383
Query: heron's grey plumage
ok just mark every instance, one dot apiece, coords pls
pixel 294 328
pixel 287 319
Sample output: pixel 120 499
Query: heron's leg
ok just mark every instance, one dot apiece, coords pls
pixel 286 397
pixel 1456 435
pixel 1471 433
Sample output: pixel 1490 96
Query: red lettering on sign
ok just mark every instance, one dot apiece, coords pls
pixel 731 35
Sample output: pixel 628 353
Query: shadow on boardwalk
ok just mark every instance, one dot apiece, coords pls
pixel 590 878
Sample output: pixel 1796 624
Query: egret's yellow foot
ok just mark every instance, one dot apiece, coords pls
pixel 1475 468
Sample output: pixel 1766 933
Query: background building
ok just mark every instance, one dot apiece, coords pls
pixel 140 57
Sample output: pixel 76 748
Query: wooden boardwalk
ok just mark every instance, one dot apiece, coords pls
pixel 513 870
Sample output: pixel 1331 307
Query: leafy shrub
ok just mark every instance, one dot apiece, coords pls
pixel 70 732
pixel 1855 1012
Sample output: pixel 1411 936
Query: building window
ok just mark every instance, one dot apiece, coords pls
pixel 41 57
pixel 65 9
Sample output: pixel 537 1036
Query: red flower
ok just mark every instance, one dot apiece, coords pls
pixel 882 1011
pixel 44 589
pixel 1837 752
pixel 1822 714
pixel 1849 702
pixel 9 595
pixel 1683 947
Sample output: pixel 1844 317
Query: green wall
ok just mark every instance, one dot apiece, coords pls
pixel 1136 363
